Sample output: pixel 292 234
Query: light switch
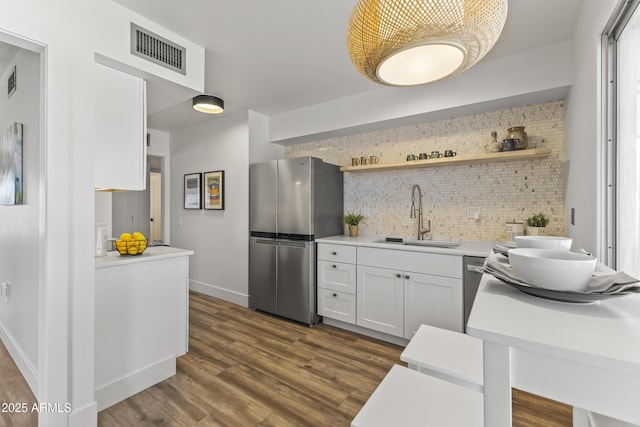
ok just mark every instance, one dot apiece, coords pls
pixel 473 212
pixel 5 291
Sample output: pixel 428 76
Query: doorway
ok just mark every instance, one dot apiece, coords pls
pixel 155 200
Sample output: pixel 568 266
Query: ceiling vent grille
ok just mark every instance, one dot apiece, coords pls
pixel 158 50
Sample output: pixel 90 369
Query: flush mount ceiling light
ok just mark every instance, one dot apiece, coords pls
pixel 208 104
pixel 411 42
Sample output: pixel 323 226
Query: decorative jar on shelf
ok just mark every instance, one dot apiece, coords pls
pixel 518 133
pixel 493 146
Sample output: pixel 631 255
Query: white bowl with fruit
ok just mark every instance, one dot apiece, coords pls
pixel 131 244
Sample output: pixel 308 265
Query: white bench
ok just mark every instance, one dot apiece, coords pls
pixel 409 398
pixel 448 355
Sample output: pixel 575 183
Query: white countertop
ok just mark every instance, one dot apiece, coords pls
pixel 467 247
pixel 152 253
pixel 605 333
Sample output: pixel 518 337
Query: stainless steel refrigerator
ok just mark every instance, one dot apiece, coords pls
pixel 291 203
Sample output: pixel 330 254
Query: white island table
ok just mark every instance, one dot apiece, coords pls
pixel 586 355
pixel 142 320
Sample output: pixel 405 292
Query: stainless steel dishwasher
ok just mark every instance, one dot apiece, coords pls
pixel 471 273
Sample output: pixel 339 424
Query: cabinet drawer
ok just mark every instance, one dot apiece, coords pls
pixel 337 276
pixel 420 262
pixel 337 305
pixel 339 253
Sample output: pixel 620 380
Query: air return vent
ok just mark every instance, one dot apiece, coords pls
pixel 158 50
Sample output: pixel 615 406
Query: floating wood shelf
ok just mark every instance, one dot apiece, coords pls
pixel 534 153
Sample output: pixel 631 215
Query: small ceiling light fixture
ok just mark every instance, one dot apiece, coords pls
pixel 208 104
pixel 412 42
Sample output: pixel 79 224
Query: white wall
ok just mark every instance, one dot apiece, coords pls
pixel 537 75
pixel 66 217
pixel 584 127
pixel 260 149
pixel 218 238
pixel 21 245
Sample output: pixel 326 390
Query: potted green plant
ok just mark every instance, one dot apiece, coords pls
pixel 536 225
pixel 352 220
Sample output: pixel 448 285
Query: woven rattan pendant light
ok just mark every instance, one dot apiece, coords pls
pixel 411 42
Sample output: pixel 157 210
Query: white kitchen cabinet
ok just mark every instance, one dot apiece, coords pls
pixel 121 129
pixel 337 276
pixel 336 279
pixel 141 320
pixel 337 305
pixel 379 300
pixel 432 286
pixel 338 253
pixel 392 291
pixel 432 300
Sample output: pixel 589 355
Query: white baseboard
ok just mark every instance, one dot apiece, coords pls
pixel 27 370
pixel 220 293
pixel 85 416
pixel 366 331
pixel 124 387
pixel 597 420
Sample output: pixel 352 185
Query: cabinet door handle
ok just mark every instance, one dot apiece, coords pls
pixel 398 275
pixel 334 253
pixel 334 266
pixel 335 295
pixel 406 277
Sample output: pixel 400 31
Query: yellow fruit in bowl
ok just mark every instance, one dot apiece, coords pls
pixel 126 236
pixel 138 236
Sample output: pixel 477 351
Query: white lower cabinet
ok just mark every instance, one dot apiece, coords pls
pixel 432 300
pixel 390 291
pixel 337 305
pixel 336 278
pixel 380 300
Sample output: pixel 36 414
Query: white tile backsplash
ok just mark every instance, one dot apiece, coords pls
pixel 504 191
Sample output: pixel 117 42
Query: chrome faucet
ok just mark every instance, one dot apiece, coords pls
pixel 421 231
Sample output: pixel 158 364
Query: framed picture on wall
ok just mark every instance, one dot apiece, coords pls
pixel 192 191
pixel 11 188
pixel 214 190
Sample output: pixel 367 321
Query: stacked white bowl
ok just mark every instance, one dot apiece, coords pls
pixel 545 262
pixel 544 242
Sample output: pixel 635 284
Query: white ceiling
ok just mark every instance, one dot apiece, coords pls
pixel 278 55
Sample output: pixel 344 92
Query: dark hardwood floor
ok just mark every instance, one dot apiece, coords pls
pixel 246 368
pixel 14 390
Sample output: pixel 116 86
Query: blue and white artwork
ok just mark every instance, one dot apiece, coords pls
pixel 11 184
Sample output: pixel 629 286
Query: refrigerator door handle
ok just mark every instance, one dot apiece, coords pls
pixel 294 244
pixel 266 242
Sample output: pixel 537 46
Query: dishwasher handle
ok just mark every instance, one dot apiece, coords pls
pixel 475 268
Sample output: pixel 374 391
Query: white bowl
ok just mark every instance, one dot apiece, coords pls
pixel 544 242
pixel 552 269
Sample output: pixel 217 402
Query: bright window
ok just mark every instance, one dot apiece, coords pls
pixel 623 160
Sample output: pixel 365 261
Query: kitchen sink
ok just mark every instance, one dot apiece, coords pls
pixel 425 243
pixel 433 243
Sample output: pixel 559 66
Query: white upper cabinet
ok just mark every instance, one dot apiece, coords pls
pixel 121 129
